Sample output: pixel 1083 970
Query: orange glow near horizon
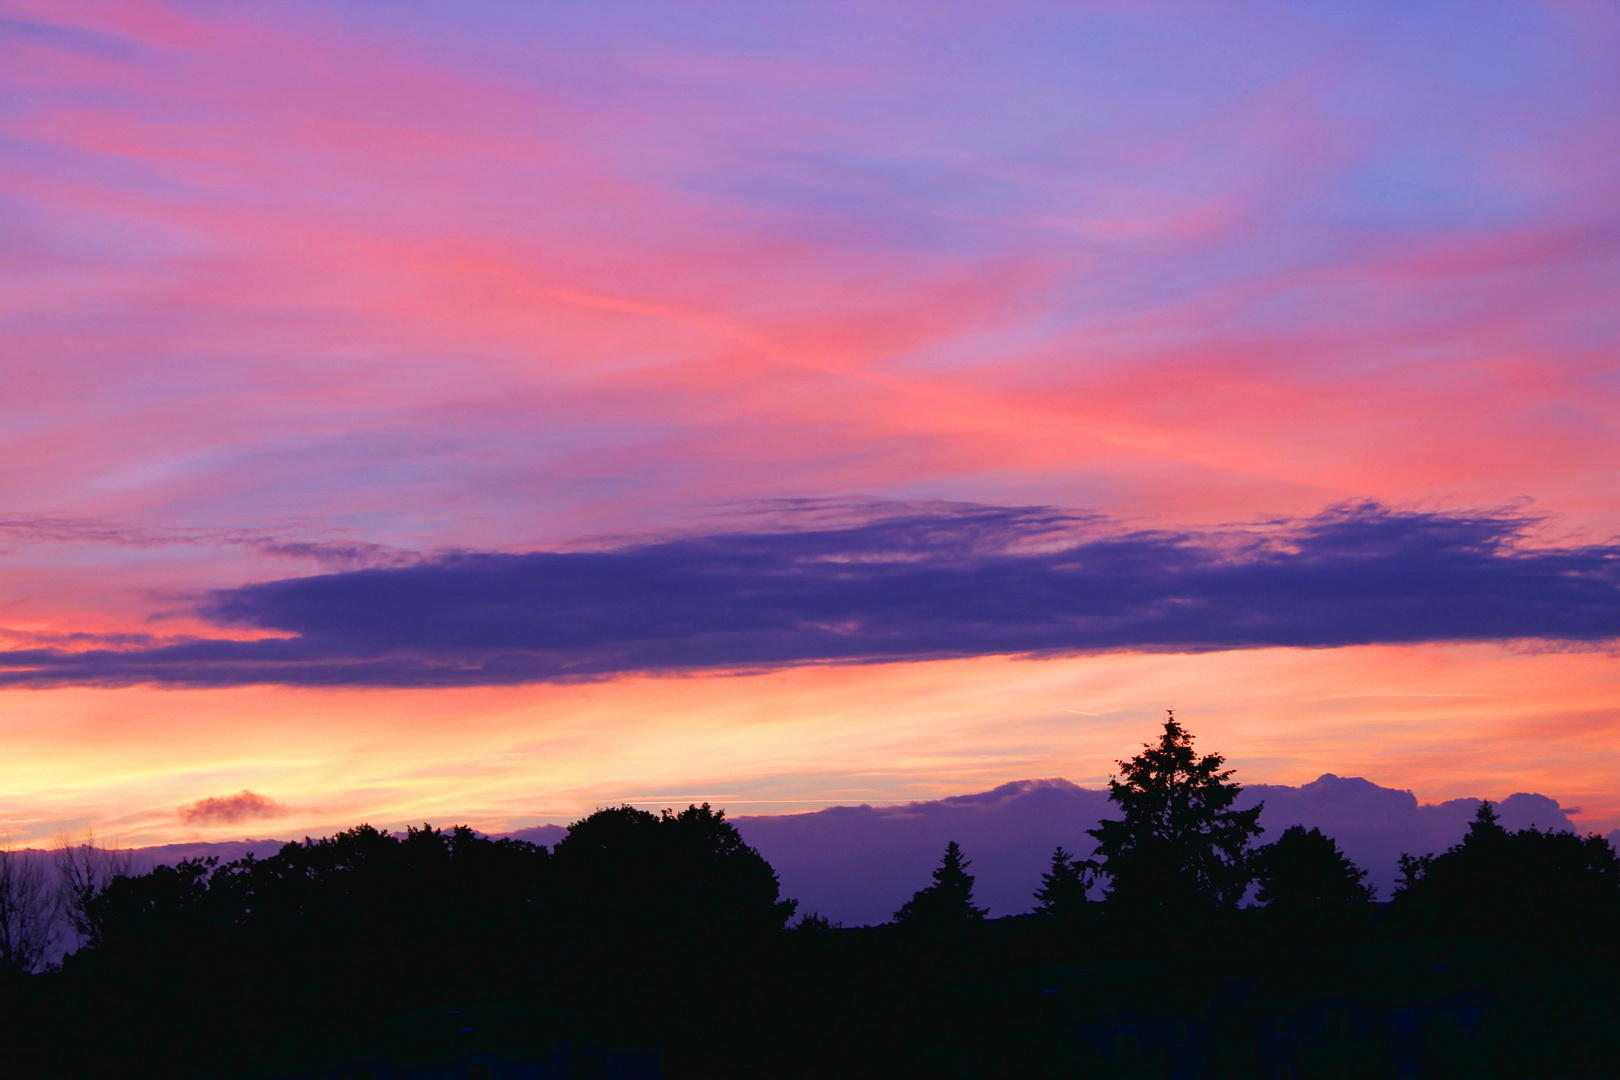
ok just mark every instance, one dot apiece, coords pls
pixel 1442 721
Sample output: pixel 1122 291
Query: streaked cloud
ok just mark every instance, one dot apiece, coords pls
pixel 284 542
pixel 941 582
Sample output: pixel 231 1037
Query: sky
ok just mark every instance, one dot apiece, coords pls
pixel 484 411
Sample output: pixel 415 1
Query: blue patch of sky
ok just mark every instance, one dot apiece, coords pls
pixel 911 203
pixel 1428 188
pixel 69 168
pixel 109 46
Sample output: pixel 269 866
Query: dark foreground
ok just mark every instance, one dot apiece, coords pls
pixel 647 946
pixel 1016 997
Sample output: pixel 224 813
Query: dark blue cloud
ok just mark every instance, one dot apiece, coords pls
pixel 931 583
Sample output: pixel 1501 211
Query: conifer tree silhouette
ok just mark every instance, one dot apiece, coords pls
pixel 1180 846
pixel 949 900
pixel 1063 888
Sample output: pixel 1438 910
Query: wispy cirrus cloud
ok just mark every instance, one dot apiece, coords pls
pixel 44 529
pixel 939 582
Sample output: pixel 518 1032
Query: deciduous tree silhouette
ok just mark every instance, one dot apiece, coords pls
pixel 1310 889
pixel 28 910
pixel 689 870
pixel 1303 870
pixel 84 871
pixel 948 902
pixel 1180 846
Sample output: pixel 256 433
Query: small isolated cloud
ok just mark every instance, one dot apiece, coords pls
pixel 228 809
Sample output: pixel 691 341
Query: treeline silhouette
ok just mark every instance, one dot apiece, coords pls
pixel 646 945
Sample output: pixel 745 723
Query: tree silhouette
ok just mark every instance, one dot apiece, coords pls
pixel 1304 870
pixel 1063 888
pixel 948 902
pixel 85 870
pixel 1556 888
pixel 28 908
pixel 1180 846
pixel 667 928
pixel 688 871
pixel 1307 884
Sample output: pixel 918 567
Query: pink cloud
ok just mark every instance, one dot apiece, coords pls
pixel 229 809
pixel 591 295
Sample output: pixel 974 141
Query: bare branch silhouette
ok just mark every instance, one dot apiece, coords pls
pixel 84 871
pixel 28 909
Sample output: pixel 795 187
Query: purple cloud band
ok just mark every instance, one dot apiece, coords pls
pixel 934 583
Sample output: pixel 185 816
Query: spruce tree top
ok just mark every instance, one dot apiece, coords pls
pixel 949 900
pixel 1180 844
pixel 1063 888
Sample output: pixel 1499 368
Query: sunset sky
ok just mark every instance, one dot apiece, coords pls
pixel 486 410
